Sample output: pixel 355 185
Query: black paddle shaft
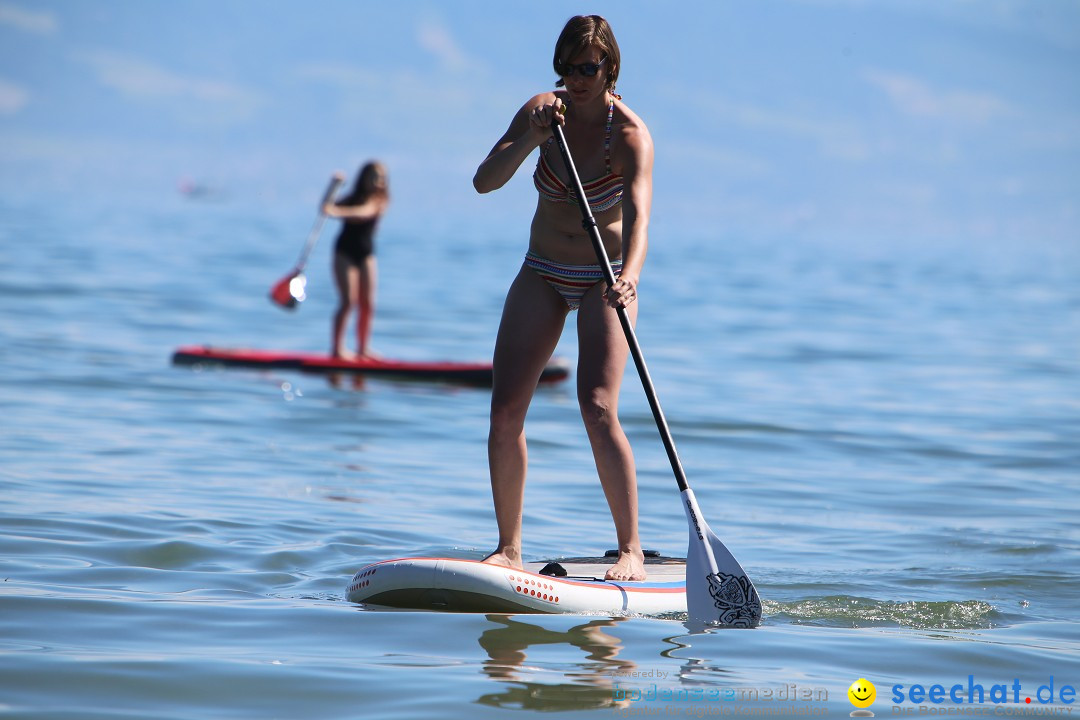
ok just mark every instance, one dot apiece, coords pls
pixel 589 223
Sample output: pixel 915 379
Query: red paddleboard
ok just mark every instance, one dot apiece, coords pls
pixel 477 373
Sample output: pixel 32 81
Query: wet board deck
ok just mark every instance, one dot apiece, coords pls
pixel 457 585
pixel 469 373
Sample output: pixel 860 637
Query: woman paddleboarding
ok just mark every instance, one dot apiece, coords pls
pixel 355 270
pixel 560 274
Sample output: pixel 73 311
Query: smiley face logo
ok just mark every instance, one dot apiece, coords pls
pixel 862 693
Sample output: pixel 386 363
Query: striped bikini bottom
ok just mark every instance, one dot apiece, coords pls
pixel 570 281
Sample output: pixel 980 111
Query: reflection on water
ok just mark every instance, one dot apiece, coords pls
pixel 693 670
pixel 354 381
pixel 592 679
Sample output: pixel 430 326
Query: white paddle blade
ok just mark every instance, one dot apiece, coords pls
pixel 718 591
pixel 297 288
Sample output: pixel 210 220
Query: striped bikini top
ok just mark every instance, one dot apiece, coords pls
pixel 603 193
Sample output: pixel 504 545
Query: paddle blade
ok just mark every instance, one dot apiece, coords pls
pixel 718 591
pixel 288 292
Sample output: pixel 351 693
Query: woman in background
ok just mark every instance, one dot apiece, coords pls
pixel 355 271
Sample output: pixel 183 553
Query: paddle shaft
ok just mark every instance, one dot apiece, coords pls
pixel 588 222
pixel 313 236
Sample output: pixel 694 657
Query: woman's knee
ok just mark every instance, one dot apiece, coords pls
pixel 508 416
pixel 597 409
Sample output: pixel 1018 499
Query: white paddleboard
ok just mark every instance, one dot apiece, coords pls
pixel 456 585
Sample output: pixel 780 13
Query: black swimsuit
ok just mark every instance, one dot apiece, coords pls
pixel 357 240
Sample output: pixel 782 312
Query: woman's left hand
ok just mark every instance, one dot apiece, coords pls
pixel 622 293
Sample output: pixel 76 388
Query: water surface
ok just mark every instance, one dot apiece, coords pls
pixel 887 438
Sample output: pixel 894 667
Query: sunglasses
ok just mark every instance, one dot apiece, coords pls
pixel 584 69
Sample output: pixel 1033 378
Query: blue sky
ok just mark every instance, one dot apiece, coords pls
pixel 851 120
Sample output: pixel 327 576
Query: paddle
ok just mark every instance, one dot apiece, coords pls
pixel 718 590
pixel 288 292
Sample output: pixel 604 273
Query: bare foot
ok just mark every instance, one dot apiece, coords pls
pixel 369 355
pixel 347 355
pixel 629 566
pixel 507 558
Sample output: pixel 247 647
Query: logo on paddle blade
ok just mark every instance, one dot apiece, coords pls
pixel 735 598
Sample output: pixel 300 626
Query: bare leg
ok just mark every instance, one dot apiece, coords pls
pixel 347 280
pixel 532 322
pixel 368 275
pixel 601 361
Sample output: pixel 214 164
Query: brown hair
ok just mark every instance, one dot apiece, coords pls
pixel 365 186
pixel 582 32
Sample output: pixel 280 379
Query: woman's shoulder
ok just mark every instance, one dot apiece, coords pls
pixel 624 117
pixel 631 129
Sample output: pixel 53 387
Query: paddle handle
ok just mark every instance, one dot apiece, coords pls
pixel 588 222
pixel 313 237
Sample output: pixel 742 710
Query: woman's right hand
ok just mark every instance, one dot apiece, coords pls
pixel 336 181
pixel 529 129
pixel 541 116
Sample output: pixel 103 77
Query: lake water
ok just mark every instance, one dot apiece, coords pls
pixel 886 435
